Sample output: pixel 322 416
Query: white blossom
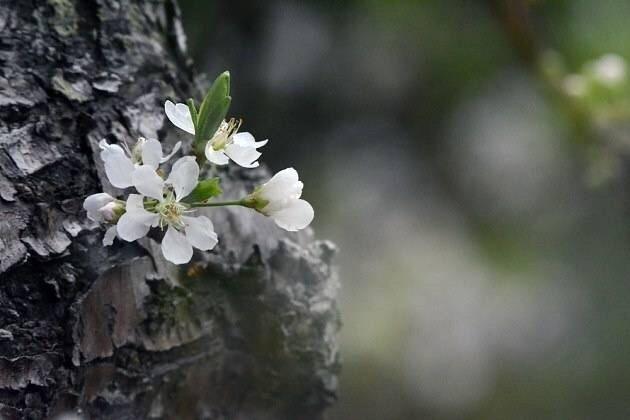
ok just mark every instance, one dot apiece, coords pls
pixel 120 163
pixel 160 201
pixel 279 199
pixel 609 69
pixel 167 211
pixel 227 144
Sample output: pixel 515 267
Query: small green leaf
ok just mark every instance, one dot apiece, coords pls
pixel 213 118
pixel 214 108
pixel 205 190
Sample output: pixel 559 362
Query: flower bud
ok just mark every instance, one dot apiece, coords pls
pixel 112 211
pixel 103 207
pixel 279 199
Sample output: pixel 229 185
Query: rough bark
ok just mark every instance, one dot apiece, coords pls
pixel 248 332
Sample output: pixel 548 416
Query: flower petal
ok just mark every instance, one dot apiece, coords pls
pixel 244 156
pixel 94 203
pixel 180 116
pixel 260 143
pixel 148 182
pixel 109 236
pixel 151 153
pixel 118 165
pixel 176 148
pixel 200 232
pixel 135 204
pixel 247 139
pixel 297 215
pixel 216 156
pixel 184 176
pixel 130 227
pixel 136 221
pixel 282 186
pixel 176 247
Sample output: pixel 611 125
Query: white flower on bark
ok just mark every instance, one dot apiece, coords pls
pixel 120 163
pixel 162 202
pixel 225 144
pixel 228 144
pixel 102 207
pixel 279 199
pixel 167 211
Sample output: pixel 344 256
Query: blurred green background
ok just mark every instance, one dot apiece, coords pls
pixel 479 197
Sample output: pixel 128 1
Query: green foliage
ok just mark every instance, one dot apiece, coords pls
pixel 205 189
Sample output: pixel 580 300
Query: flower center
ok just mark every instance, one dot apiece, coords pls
pixel 224 134
pixel 171 212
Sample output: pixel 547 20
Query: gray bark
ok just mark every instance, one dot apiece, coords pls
pixel 248 332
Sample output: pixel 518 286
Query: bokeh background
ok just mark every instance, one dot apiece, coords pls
pixel 470 160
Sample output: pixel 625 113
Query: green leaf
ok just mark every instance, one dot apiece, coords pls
pixel 214 108
pixel 205 190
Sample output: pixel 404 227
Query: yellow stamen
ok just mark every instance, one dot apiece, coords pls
pixel 224 134
pixel 171 213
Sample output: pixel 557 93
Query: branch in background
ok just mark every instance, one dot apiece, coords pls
pixel 593 100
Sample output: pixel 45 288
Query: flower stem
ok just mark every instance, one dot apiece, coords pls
pixel 219 204
pixel 199 151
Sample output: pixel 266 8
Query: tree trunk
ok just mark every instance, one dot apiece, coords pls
pixel 247 331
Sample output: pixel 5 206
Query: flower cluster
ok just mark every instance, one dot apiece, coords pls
pixel 598 79
pixel 169 202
